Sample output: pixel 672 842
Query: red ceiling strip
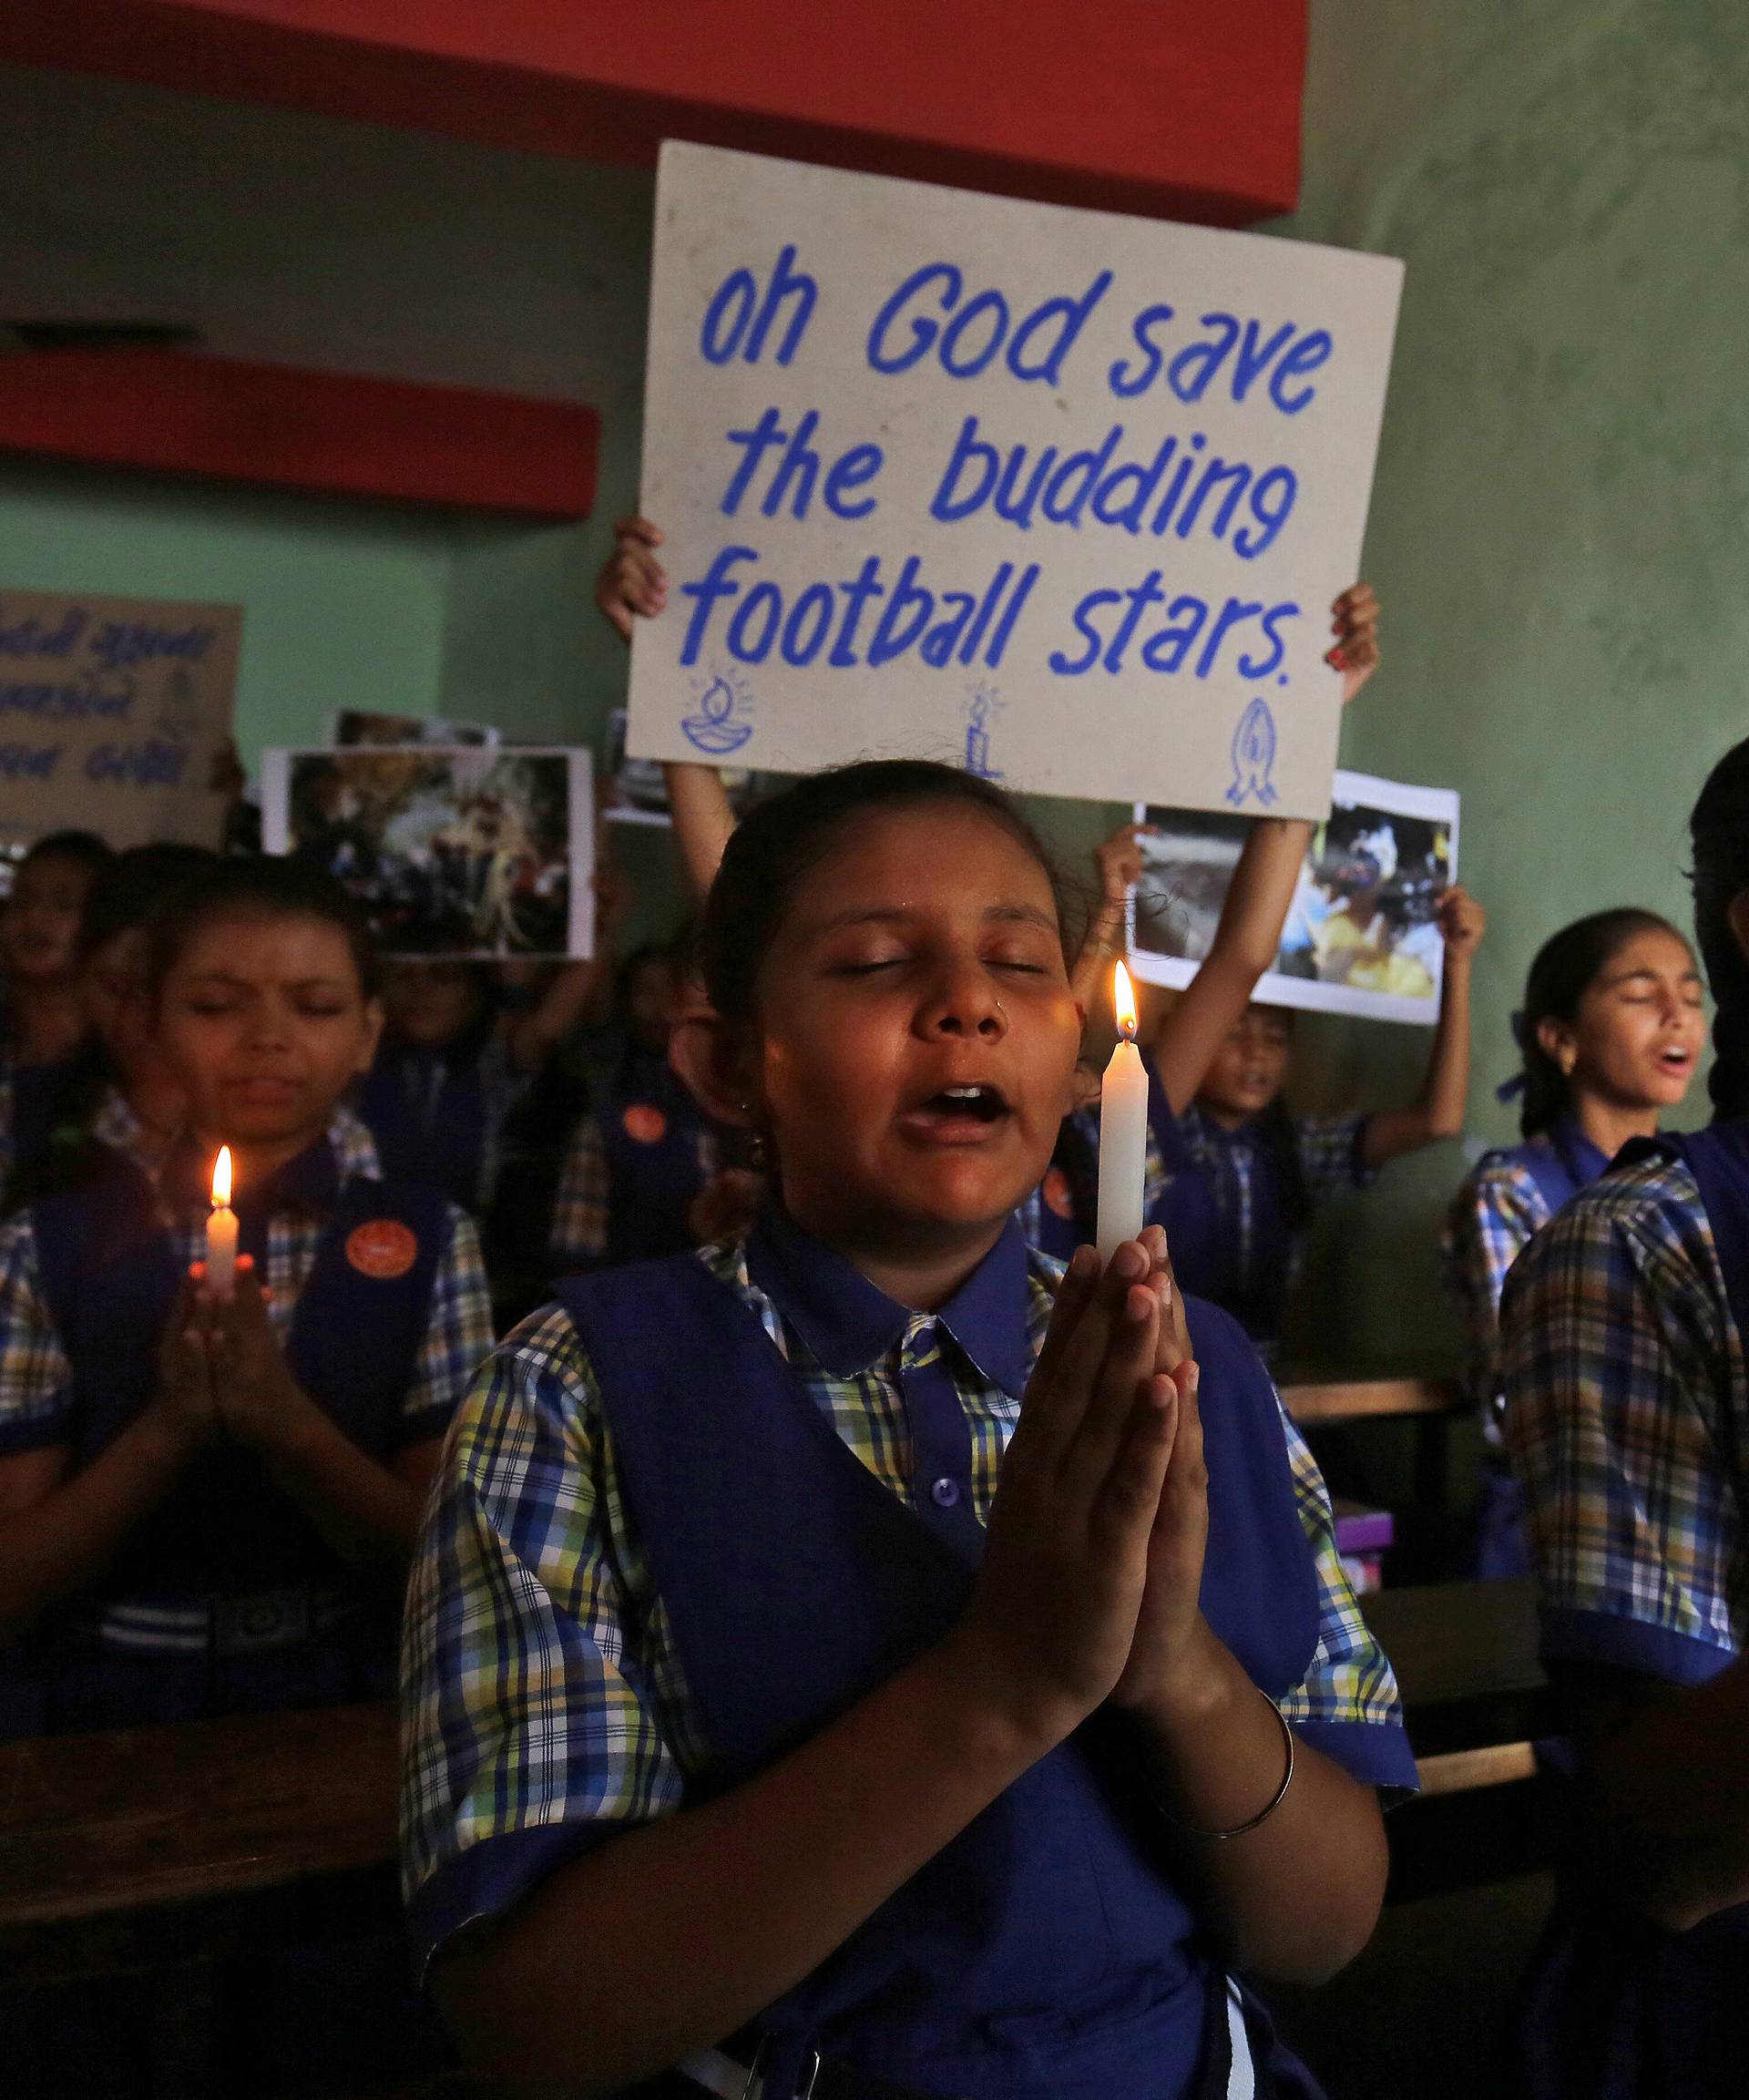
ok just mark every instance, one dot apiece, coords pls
pixel 275 425
pixel 1178 107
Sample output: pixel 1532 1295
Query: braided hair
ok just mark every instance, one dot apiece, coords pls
pixel 1719 840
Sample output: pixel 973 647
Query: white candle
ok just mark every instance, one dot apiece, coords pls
pixel 221 1229
pixel 1123 1130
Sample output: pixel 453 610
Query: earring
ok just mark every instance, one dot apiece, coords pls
pixel 1567 1061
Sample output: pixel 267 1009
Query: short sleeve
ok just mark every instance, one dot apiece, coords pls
pixel 1491 1223
pixel 535 1724
pixel 580 1232
pixel 458 1335
pixel 1332 1154
pixel 35 1378
pixel 1622 1370
pixel 1347 1703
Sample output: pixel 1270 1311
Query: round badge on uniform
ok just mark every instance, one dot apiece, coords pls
pixel 645 1123
pixel 382 1247
pixel 1059 1198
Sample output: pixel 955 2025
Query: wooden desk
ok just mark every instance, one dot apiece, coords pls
pixel 93 1825
pixel 133 1825
pixel 1370 1400
pixel 1430 1405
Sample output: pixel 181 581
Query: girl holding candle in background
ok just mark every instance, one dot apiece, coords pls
pixel 705 1636
pixel 207 1495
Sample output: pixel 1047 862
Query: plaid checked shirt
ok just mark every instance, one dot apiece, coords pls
pixel 1625 1398
pixel 580 1206
pixel 541 1687
pixel 1491 1220
pixel 36 1381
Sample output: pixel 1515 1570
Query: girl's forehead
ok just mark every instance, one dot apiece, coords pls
pixel 931 856
pixel 267 941
pixel 53 877
pixel 1656 949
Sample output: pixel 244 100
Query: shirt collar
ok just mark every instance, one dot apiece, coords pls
pixel 1585 1161
pixel 1210 1132
pixel 848 1324
pixel 115 1124
pixel 311 1182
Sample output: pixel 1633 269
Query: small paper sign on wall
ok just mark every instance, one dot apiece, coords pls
pixel 112 713
pixel 1060 496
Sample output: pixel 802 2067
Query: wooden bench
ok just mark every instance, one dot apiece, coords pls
pixel 1466 1660
pixel 1477 1699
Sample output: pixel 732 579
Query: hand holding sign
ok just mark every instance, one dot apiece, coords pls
pixel 1052 494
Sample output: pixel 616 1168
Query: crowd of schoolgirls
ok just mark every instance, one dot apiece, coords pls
pixel 855 1640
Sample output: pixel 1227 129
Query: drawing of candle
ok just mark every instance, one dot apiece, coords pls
pixel 711 728
pixel 977 739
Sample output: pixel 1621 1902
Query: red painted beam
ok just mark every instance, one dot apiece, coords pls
pixel 172 412
pixel 1188 109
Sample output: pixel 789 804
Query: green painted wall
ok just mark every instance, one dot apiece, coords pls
pixel 1561 517
pixel 343 607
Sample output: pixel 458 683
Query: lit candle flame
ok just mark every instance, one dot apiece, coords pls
pixel 1123 1002
pixel 222 1178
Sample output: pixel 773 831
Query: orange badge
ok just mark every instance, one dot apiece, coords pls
pixel 382 1247
pixel 1057 1198
pixel 645 1124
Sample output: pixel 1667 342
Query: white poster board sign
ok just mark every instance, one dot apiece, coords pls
pixel 1058 496
pixel 114 712
pixel 1362 935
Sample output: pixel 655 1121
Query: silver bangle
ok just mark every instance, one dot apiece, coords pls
pixel 1263 1815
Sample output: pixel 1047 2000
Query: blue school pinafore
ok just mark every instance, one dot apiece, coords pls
pixel 288 1622
pixel 433 1120
pixel 1617 2008
pixel 31 1101
pixel 1567 1163
pixel 1044 1953
pixel 651 1129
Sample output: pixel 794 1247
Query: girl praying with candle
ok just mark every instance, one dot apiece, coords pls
pixel 721 1629
pixel 206 1494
